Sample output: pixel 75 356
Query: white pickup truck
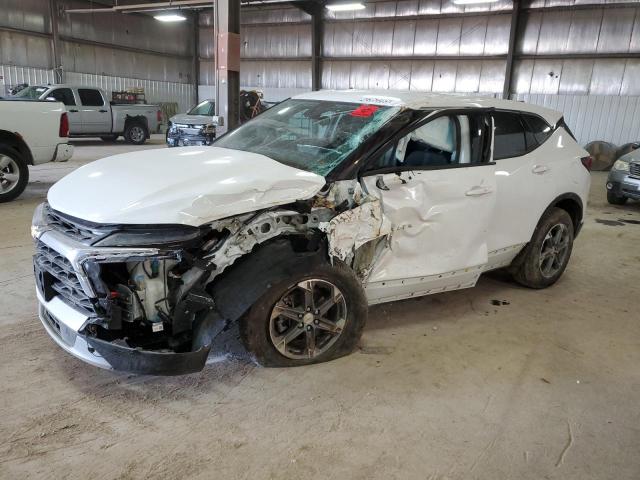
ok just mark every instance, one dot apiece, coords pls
pixel 31 133
pixel 92 115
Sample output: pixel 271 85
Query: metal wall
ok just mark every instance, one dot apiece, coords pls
pixel 125 45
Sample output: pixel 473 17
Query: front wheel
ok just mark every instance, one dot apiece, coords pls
pixel 14 174
pixel 545 258
pixel 135 134
pixel 313 318
pixel 614 199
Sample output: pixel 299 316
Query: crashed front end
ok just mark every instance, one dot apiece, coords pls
pixel 184 135
pixel 140 299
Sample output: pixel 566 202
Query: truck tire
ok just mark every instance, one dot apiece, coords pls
pixel 14 174
pixel 614 199
pixel 313 317
pixel 109 138
pixel 546 256
pixel 135 133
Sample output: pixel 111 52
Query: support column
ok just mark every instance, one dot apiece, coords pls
pixel 195 67
pixel 55 42
pixel 227 32
pixel 316 11
pixel 513 35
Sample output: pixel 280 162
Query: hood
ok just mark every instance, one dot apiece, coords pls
pixel 186 119
pixel 189 186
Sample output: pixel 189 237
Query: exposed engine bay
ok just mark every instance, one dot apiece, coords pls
pixel 178 298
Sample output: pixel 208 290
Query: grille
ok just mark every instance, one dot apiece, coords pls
pixel 62 279
pixel 76 231
pixel 634 169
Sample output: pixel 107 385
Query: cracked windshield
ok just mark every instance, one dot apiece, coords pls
pixel 311 135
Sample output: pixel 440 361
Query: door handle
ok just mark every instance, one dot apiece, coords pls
pixel 540 169
pixel 380 183
pixel 73 111
pixel 103 111
pixel 478 191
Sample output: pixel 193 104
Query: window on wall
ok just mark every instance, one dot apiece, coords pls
pixel 64 95
pixel 90 97
pixel 509 137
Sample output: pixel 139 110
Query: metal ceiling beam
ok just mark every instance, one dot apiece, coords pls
pixel 513 35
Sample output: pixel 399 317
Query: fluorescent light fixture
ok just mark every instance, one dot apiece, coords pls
pixel 472 2
pixel 170 17
pixel 345 7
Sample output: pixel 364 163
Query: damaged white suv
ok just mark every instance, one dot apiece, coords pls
pixel 297 221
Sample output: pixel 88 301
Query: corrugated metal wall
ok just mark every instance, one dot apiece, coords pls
pixel 436 45
pixel 113 50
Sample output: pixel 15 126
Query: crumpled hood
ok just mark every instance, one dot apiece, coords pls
pixel 186 119
pixel 190 186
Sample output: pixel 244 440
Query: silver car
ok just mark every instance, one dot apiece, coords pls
pixel 624 178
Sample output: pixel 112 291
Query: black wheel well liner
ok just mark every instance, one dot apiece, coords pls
pixel 572 204
pixel 16 142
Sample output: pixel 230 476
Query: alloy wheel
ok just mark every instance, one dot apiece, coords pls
pixel 554 250
pixel 9 174
pixel 308 319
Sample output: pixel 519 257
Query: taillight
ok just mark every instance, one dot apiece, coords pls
pixel 587 162
pixel 159 116
pixel 64 125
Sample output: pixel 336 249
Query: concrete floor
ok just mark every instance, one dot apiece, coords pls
pixel 443 387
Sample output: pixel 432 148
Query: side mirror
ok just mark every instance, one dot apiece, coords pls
pixel 51 99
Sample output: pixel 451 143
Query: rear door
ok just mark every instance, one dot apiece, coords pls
pixel 437 186
pixel 96 116
pixel 66 96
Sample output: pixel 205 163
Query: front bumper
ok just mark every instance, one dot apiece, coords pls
pixel 623 185
pixel 64 152
pixel 67 326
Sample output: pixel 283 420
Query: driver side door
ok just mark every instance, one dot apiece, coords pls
pixel 436 184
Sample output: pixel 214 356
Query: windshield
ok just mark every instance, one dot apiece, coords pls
pixel 32 92
pixel 205 108
pixel 312 135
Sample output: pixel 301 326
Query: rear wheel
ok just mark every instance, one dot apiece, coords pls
pixel 545 258
pixel 135 133
pixel 14 174
pixel 316 317
pixel 614 199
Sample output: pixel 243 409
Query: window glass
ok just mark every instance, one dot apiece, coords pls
pixel 537 128
pixel 431 145
pixel 508 139
pixel 313 135
pixel 90 98
pixel 206 108
pixel 64 95
pixel 32 92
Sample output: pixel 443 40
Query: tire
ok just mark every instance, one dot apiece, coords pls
pixel 135 133
pixel 546 256
pixel 109 138
pixel 260 333
pixel 14 174
pixel 614 199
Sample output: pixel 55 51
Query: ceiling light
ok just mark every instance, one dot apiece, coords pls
pixel 345 7
pixel 472 2
pixel 170 17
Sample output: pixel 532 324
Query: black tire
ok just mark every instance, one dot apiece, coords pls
pixel 135 133
pixel 16 164
pixel 255 325
pixel 109 138
pixel 614 199
pixel 531 267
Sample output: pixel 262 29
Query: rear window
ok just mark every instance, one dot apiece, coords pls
pixel 509 138
pixel 536 129
pixel 90 98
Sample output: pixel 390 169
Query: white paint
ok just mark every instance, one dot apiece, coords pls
pixel 190 186
pixel 38 123
pixel 419 100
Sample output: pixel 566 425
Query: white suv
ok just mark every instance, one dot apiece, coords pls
pixel 298 220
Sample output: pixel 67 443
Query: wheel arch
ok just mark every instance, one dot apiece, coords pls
pixel 137 120
pixel 572 204
pixel 16 142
